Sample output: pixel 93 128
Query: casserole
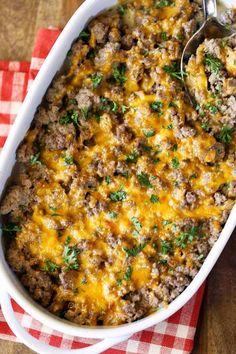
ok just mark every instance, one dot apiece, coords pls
pixel 120 328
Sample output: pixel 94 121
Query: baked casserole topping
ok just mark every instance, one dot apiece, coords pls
pixel 123 186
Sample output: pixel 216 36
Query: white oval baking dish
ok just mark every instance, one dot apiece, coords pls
pixel 12 286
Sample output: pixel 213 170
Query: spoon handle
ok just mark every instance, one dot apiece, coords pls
pixel 210 9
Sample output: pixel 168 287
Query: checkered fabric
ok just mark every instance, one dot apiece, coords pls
pixel 173 336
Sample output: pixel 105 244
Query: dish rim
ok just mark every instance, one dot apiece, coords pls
pixel 83 15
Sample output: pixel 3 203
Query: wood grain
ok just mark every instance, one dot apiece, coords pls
pixel 216 333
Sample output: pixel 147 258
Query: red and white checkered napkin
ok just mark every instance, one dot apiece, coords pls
pixel 174 336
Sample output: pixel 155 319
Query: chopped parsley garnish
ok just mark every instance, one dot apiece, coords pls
pixel 97 117
pixel 84 35
pixel 156 106
pixel 174 147
pixel 84 281
pixel 225 134
pixel 166 222
pixel 113 215
pixel 172 104
pixel 118 74
pixel 187 237
pixel 50 266
pixel 163 261
pixel 162 3
pixel 149 133
pixel 85 112
pixel 214 63
pixel 143 179
pixel 118 196
pixel 173 71
pixel 119 282
pixel 124 108
pixel 108 180
pixel 54 211
pixel 132 157
pixel 135 221
pixel 205 126
pixel 135 250
pixel 96 80
pixel 107 105
pixel 34 159
pixel 166 247
pixel 70 255
pixel 175 162
pixel 169 126
pixel 70 117
pixel 11 228
pixel 122 9
pixel 73 101
pixel 164 36
pixel 68 160
pixel 128 273
pixel 154 199
pixel 212 108
pixel 91 54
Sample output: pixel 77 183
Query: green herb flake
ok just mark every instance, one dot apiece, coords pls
pixel 187 237
pixel 70 255
pixel 169 126
pixel 73 101
pixel 34 159
pixel 162 3
pixel 113 215
pixel 143 179
pixel 172 104
pixel 84 35
pixel 166 247
pixel 212 108
pixel 148 133
pixel 164 36
pixel 225 134
pixel 70 117
pixel 133 252
pixel 118 196
pixel 214 63
pixel 135 221
pixel 166 222
pixel 128 273
pixel 97 117
pixel 119 282
pixel 205 126
pixel 173 71
pixel 124 108
pixel 132 157
pixel 122 9
pixel 108 180
pixel 175 163
pixel 96 80
pixel 50 266
pixel 118 74
pixel 68 160
pixel 154 199
pixel 11 227
pixel 156 106
pixel 84 281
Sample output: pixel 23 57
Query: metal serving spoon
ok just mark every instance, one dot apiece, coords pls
pixel 211 28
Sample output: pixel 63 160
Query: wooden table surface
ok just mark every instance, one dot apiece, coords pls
pixel 216 332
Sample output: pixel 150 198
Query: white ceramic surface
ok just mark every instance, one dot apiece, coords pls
pixel 52 64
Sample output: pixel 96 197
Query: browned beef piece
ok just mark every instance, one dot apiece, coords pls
pixel 103 169
pixel 58 136
pixel 39 285
pixel 124 133
pixel 99 30
pixel 219 198
pixel 191 198
pixel 16 258
pixel 84 98
pixel 15 197
pixel 68 279
pixel 190 27
pixel 25 152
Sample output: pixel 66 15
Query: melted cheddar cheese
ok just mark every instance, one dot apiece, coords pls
pixel 124 180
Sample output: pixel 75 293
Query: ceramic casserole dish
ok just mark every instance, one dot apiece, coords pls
pixel 10 284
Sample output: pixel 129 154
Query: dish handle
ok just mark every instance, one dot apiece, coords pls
pixel 43 348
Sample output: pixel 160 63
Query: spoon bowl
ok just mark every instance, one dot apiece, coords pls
pixel 211 28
